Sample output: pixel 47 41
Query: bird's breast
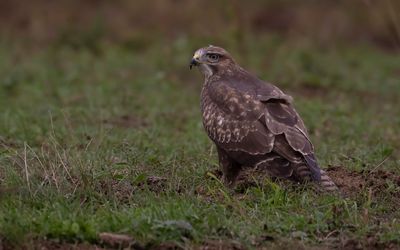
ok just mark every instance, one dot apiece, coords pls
pixel 222 125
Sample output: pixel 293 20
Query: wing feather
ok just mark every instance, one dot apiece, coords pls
pixel 248 115
pixel 282 118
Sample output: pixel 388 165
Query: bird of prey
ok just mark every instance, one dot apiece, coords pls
pixel 253 123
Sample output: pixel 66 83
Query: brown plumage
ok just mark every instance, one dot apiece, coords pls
pixel 253 123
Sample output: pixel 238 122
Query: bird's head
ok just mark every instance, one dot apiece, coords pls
pixel 211 60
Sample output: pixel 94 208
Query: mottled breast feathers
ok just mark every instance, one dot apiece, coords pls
pixel 233 120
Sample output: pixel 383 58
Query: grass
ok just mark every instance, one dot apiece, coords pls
pixel 111 141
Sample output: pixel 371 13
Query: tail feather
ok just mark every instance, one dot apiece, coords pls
pixel 313 166
pixel 326 182
pixel 303 173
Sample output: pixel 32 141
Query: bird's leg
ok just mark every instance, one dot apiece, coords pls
pixel 229 167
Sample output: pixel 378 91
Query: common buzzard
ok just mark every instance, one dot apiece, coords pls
pixel 253 123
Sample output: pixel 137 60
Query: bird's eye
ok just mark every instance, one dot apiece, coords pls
pixel 213 57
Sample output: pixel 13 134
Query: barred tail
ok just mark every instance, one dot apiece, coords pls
pixel 326 182
pixel 303 173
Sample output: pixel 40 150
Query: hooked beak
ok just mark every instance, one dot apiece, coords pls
pixel 193 62
pixel 196 59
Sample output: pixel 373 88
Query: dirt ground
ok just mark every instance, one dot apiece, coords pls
pixel 351 183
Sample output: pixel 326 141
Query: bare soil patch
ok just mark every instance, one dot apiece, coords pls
pixel 123 189
pixel 126 121
pixel 220 244
pixel 352 183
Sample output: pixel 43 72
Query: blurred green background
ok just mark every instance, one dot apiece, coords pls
pixel 142 23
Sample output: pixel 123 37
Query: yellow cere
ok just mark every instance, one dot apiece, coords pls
pixel 197 54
